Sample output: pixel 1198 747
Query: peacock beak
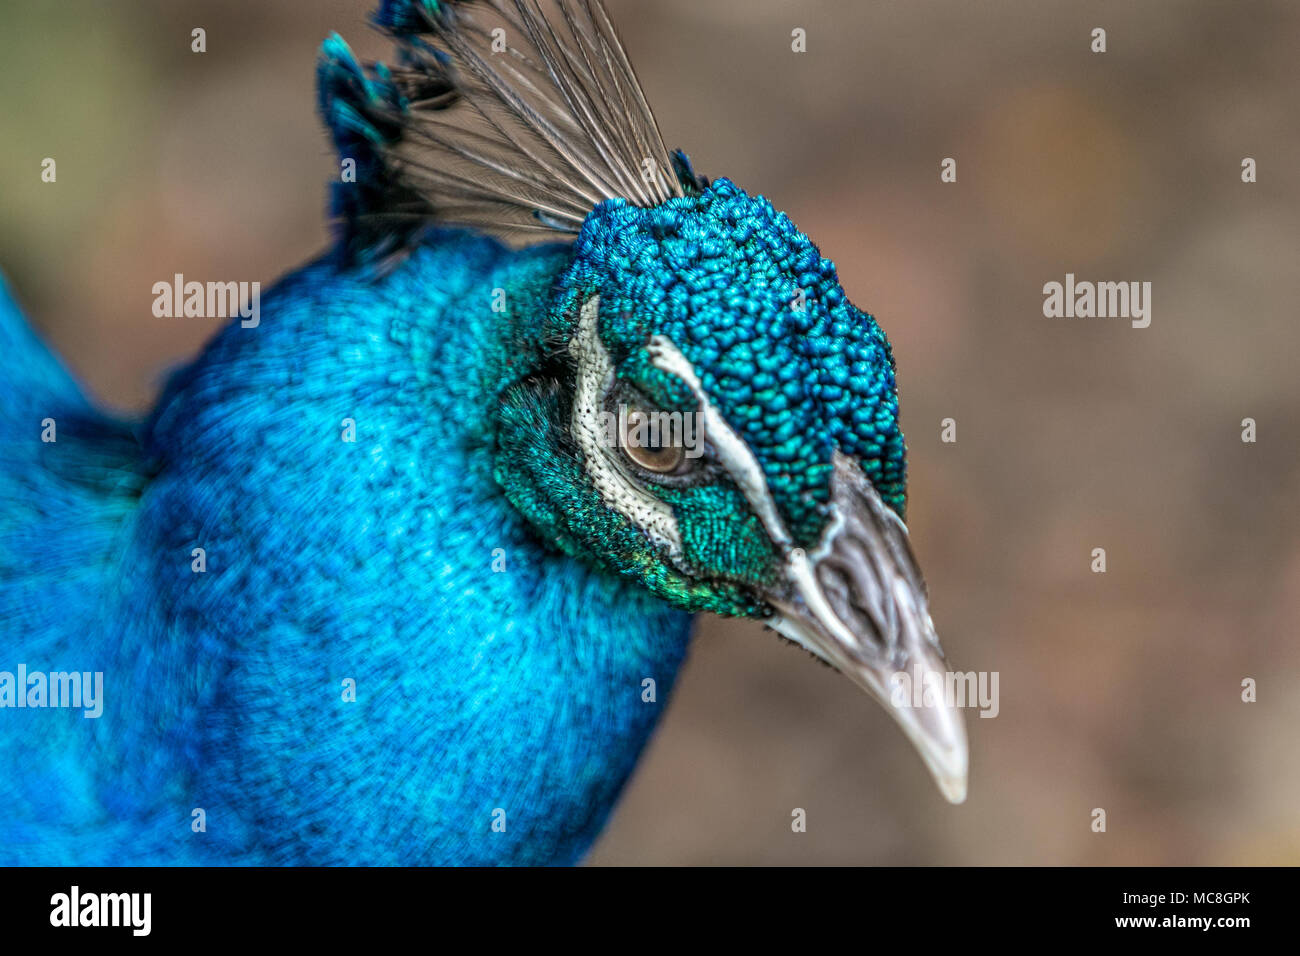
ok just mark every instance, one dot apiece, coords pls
pixel 859 603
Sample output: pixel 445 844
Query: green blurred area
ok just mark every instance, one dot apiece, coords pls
pixel 1119 691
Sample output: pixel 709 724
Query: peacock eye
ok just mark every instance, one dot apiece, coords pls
pixel 650 443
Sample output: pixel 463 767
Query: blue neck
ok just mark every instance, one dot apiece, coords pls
pixel 496 680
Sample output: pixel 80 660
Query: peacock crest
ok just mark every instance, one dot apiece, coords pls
pixel 500 115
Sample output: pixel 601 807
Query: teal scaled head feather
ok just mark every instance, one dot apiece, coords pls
pixel 781 354
pixel 420 479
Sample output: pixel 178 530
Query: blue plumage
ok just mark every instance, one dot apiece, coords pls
pixel 368 585
pixel 326 560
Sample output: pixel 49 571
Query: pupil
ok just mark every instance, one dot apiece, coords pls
pixel 654 452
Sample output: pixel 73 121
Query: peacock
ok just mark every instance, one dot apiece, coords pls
pixel 401 573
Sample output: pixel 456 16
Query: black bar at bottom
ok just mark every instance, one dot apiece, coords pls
pixel 330 907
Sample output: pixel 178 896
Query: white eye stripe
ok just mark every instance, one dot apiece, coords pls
pixel 730 448
pixel 617 488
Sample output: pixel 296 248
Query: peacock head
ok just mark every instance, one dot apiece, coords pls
pixel 710 416
pixel 721 425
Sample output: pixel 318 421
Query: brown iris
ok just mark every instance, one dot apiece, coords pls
pixel 649 445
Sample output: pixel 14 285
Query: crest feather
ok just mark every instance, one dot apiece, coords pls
pixel 498 114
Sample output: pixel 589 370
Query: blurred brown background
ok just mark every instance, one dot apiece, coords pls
pixel 1119 691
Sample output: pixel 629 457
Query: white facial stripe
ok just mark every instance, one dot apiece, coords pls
pixel 745 471
pixel 617 488
pixel 733 453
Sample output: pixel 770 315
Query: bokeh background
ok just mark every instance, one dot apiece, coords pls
pixel 1118 690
